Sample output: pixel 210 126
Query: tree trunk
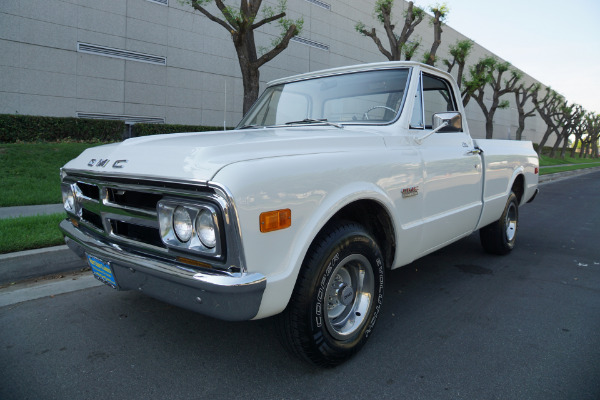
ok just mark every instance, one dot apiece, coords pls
pixel 584 150
pixel 555 147
pixel 489 127
pixel 563 151
pixel 574 148
pixel 521 128
pixel 251 81
pixel 246 52
pixel 459 75
pixel 437 38
pixel 544 140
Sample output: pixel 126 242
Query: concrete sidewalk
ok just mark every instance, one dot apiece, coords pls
pixel 27 211
pixel 53 260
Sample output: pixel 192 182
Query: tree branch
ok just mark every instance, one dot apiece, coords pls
pixel 219 21
pixel 265 58
pixel 373 35
pixel 267 20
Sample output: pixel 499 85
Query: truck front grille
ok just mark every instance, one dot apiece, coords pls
pixel 123 212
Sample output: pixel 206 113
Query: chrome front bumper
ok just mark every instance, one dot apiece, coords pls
pixel 232 297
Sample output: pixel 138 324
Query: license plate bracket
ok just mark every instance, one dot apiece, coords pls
pixel 102 271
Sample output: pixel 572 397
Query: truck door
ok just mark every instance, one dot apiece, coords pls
pixel 452 173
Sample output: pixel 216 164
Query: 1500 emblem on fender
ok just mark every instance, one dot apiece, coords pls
pixel 410 192
pixel 104 161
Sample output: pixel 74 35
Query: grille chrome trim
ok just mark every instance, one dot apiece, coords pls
pixel 112 214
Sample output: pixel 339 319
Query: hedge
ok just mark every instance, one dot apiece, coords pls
pixel 29 128
pixel 157 129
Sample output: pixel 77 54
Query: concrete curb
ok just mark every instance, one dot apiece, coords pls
pixel 559 176
pixel 39 262
pixel 53 260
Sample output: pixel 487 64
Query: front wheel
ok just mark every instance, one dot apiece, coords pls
pixel 337 297
pixel 500 236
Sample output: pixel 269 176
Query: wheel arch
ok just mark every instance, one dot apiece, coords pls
pixel 518 186
pixel 376 219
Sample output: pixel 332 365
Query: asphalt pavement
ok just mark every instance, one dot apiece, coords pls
pixel 457 324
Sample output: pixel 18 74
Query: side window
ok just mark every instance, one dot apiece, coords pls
pixel 416 121
pixel 437 97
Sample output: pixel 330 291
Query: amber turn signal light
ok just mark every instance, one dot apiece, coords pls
pixel 275 220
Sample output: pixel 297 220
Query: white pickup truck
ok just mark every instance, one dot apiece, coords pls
pixel 331 178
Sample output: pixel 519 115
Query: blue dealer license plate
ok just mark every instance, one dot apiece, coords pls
pixel 102 271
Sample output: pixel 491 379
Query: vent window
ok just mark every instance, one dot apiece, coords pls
pixel 320 4
pixel 311 43
pixel 118 53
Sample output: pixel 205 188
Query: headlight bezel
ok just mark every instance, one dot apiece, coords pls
pixel 166 211
pixel 71 195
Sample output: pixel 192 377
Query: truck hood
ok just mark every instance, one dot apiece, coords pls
pixel 199 156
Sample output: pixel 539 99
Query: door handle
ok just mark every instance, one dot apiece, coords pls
pixel 476 151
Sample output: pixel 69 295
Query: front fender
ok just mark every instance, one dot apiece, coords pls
pixel 314 188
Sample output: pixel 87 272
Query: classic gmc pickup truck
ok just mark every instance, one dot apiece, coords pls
pixel 330 179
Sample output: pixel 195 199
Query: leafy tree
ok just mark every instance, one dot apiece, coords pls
pixel 489 72
pixel 241 22
pixel 549 108
pixel 589 143
pixel 398 43
pixel 578 129
pixel 570 123
pixel 459 52
pixel 522 95
pixel 440 12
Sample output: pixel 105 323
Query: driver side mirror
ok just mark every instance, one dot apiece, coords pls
pixel 452 118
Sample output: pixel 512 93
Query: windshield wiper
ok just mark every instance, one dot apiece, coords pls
pixel 315 121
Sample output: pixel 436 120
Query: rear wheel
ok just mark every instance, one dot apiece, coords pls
pixel 337 296
pixel 500 236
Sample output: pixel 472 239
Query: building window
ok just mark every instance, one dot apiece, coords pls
pixel 119 53
pixel 311 43
pixel 320 4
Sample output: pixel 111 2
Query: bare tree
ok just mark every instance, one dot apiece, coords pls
pixel 440 12
pixel 489 72
pixel 241 23
pixel 459 52
pixel 397 43
pixel 549 108
pixel 522 95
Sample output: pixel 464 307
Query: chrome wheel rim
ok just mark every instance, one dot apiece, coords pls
pixel 511 222
pixel 349 296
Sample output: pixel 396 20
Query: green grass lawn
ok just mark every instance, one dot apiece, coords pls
pixel 564 168
pixel 547 161
pixel 25 233
pixel 556 165
pixel 30 172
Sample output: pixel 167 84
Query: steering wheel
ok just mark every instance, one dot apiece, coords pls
pixel 366 114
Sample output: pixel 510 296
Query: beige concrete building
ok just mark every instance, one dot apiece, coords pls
pixel 159 61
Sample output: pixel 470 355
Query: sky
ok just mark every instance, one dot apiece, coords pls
pixel 554 42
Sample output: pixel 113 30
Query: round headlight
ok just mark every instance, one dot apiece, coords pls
pixel 205 227
pixel 182 223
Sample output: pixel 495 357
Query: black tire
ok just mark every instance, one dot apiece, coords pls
pixel 337 297
pixel 500 236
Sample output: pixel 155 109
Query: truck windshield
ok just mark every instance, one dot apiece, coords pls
pixel 371 97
